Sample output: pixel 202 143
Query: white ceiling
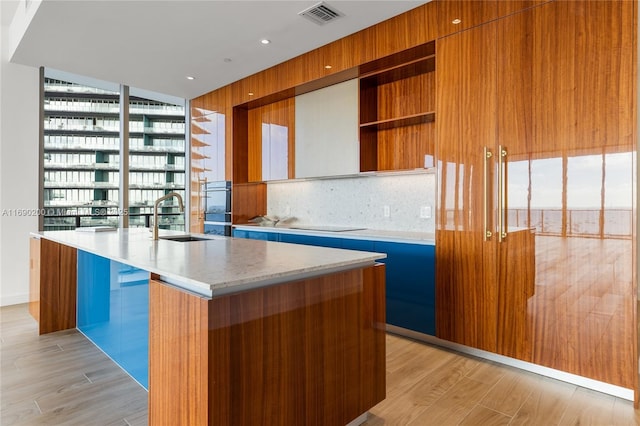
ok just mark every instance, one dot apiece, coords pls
pixel 154 45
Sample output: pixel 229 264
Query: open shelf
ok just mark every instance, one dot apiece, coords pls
pixel 397 103
pixel 401 71
pixel 409 120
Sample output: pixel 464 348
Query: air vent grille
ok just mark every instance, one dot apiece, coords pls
pixel 320 13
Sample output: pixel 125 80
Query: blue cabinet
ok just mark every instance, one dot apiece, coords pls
pixel 410 274
pixel 410 285
pixel 255 235
pixel 113 311
pixel 311 240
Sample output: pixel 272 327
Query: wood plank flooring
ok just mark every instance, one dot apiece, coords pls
pixel 62 379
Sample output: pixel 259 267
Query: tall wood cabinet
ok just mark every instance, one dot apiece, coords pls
pixel 52 286
pixel 535 238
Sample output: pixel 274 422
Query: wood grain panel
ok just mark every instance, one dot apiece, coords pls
pixel 397 34
pixel 216 102
pixel 34 278
pixel 466 298
pixel 67 287
pixel 405 147
pixel 247 201
pixel 512 6
pixel 517 275
pixel 408 96
pixel 571 69
pixel 471 13
pixel 280 113
pixel 178 354
pixel 240 151
pixel 58 265
pixel 308 352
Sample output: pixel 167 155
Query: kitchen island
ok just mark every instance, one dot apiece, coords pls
pixel 239 331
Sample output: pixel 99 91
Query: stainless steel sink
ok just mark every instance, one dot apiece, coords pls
pixel 185 238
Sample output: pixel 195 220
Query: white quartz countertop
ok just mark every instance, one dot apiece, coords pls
pixel 216 266
pixel 358 234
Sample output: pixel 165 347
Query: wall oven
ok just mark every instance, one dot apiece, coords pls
pixel 216 206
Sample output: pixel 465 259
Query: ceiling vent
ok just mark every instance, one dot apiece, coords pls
pixel 321 13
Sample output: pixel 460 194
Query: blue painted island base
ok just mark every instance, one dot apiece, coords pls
pixel 113 312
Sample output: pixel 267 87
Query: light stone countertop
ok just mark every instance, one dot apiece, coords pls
pixel 217 266
pixel 361 234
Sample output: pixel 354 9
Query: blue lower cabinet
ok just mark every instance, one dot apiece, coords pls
pixel 410 283
pixel 361 245
pixel 255 235
pixel 113 311
pixel 410 276
pixel 311 240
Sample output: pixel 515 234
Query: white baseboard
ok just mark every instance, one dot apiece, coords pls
pixel 14 299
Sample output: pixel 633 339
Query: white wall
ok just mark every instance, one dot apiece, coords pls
pixel 358 201
pixel 19 104
pixel 327 128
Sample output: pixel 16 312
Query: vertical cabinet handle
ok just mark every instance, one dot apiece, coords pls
pixel 502 219
pixel 485 183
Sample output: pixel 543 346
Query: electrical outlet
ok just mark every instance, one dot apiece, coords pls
pixel 425 212
pixel 387 211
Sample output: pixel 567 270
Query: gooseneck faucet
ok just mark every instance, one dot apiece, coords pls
pixel 155 210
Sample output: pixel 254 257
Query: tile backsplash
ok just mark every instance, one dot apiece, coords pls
pixel 392 202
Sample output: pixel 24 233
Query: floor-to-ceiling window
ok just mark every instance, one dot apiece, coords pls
pixel 82 153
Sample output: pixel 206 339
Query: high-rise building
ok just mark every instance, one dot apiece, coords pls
pixel 82 158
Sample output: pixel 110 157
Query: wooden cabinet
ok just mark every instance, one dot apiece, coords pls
pixel 536 143
pixel 458 15
pixel 397 103
pixel 52 298
pixel 308 352
pixel 34 278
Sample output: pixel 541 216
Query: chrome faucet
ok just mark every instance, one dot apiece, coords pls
pixel 155 210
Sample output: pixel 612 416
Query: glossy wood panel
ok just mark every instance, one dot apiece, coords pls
pixel 466 279
pixel 578 92
pixel 570 179
pixel 280 113
pixel 58 265
pixel 206 112
pixel 513 6
pixel 247 201
pixel 405 147
pixel 34 278
pixel 240 150
pixel 516 285
pixel 178 350
pixel 308 352
pixel 401 32
pixel 471 13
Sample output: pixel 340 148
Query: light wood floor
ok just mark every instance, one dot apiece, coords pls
pixel 62 379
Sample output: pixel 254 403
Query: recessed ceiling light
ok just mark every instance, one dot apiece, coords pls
pixel 190 78
pixel 328 67
pixel 456 21
pixel 265 41
pixel 250 93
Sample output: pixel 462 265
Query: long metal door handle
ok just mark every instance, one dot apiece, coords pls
pixel 485 201
pixel 502 220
